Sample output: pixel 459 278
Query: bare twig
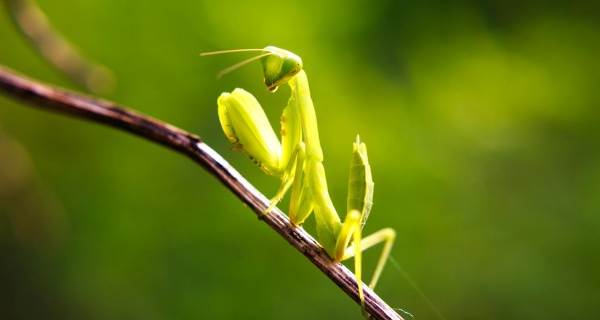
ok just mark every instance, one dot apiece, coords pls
pixel 56 49
pixel 108 113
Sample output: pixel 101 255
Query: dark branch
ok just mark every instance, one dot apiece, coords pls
pixel 108 113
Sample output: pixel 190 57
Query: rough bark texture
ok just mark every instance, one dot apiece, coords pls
pixel 105 112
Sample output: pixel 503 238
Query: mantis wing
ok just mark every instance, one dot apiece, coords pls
pixel 360 182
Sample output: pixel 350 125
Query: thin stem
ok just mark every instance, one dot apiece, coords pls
pixel 104 112
pixel 33 24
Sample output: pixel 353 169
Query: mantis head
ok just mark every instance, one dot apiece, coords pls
pixel 279 65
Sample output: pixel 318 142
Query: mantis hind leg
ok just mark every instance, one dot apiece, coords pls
pixel 387 236
pixel 351 230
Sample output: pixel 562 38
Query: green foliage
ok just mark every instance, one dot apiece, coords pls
pixel 481 122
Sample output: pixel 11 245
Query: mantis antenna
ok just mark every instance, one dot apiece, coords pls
pixel 214 53
pixel 239 64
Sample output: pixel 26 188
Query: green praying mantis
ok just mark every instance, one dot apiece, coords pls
pixel 298 160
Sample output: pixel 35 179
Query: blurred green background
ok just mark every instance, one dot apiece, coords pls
pixel 481 120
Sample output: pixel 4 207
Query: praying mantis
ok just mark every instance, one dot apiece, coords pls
pixel 298 160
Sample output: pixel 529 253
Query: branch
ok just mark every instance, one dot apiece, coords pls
pixel 33 24
pixel 108 113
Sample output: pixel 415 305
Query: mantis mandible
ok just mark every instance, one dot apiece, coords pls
pixel 298 160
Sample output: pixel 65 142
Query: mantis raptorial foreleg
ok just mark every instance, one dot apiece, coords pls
pixel 247 127
pixel 297 160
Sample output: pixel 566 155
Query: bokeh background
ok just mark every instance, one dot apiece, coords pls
pixel 481 118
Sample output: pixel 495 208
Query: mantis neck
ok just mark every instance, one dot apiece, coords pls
pixel 328 221
pixel 310 131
